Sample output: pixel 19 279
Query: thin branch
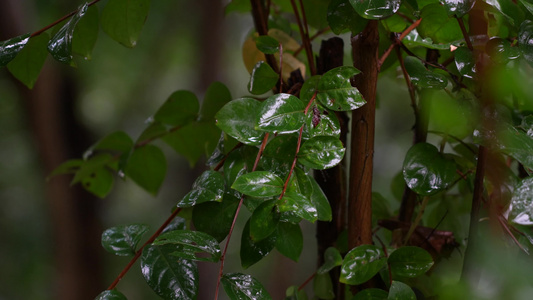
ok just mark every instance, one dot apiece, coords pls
pixel 417 219
pixel 221 163
pixel 305 37
pixel 465 34
pixel 306 281
pixel 397 42
pixel 502 220
pixel 312 38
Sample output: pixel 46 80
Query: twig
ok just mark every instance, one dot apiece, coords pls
pixel 465 34
pixel 417 219
pixel 306 281
pixel 397 42
pixel 305 36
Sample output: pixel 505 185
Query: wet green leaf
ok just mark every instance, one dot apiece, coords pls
pixel 500 50
pixel 10 48
pixel 178 223
pixel 290 240
pixel 194 140
pixel 60 45
pixel 309 88
pixel 361 264
pixel 252 252
pixel 342 16
pixel 464 61
pixel 336 92
pixel 308 186
pixel 451 115
pixel 522 203
pixel 147 166
pixel 28 63
pixel 264 220
pixel 299 205
pixel 423 77
pixel 332 259
pixel 517 144
pixel 322 122
pixel 259 184
pixel 323 287
pixel 237 118
pixel 410 261
pixel 189 243
pixel 400 291
pixel 238 162
pixel 123 240
pixel 371 294
pixel 263 79
pixel 321 152
pixel 240 286
pixel 179 109
pixel 123 20
pixel 426 171
pixel 528 5
pixel 458 8
pixel 281 113
pixel 512 12
pixel 216 96
pixel 375 9
pixel 110 295
pixel 267 44
pixel 215 218
pixel 437 25
pixel 414 39
pixel 86 33
pixel 525 40
pixel 169 276
pixel 208 187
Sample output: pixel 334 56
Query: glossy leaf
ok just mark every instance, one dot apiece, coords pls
pixel 422 77
pixel 281 113
pixel 123 240
pixel 437 25
pixel 309 88
pixel 169 276
pixel 208 187
pixel 298 204
pixel 528 5
pixel 517 144
pixel 371 294
pixel 400 291
pixel 189 243
pixel 123 20
pixel 259 184
pixel 263 79
pixel 500 50
pixel 323 287
pixel 237 118
pixel 267 44
pixel 290 240
pixel 147 166
pixel 464 61
pixel 264 220
pixel 342 16
pixel 410 261
pixel 238 162
pixel 216 96
pixel 426 171
pixel 336 92
pixel 510 10
pixel 240 286
pixel 179 109
pixel 215 218
pixel 252 252
pixel 457 8
pixel 86 33
pixel 178 223
pixel 361 264
pixel 332 259
pixel 10 48
pixel 522 203
pixel 322 122
pixel 28 63
pixel 60 45
pixel 308 186
pixel 110 295
pixel 525 40
pixel 321 152
pixel 194 140
pixel 375 9
pixel 414 39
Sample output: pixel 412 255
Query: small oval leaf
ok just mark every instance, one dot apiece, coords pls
pixel 290 240
pixel 252 252
pixel 110 295
pixel 336 92
pixel 281 113
pixel 263 79
pixel 375 9
pixel 10 48
pixel 60 45
pixel 410 261
pixel 123 240
pixel 147 166
pixel 123 20
pixel 240 286
pixel 188 243
pixel 321 152
pixel 361 264
pixel 522 203
pixel 259 184
pixel 208 187
pixel 400 291
pixel 237 118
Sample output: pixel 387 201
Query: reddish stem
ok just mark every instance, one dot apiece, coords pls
pixel 397 42
pixel 306 281
pixel 305 35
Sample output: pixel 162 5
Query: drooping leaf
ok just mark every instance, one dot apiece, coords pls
pixel 216 96
pixel 410 261
pixel 10 48
pixel 123 240
pixel 290 240
pixel 208 187
pixel 400 291
pixel 294 293
pixel 281 113
pixel 335 91
pixel 522 203
pixel 299 205
pixel 321 152
pixel 259 184
pixel 267 44
pixel 426 171
pixel 179 109
pixel 517 144
pixel 28 63
pixel 237 118
pixel 458 8
pixel 332 259
pixel 361 264
pixel 119 142
pixel 110 295
pixel 500 50
pixel 188 243
pixel 510 10
pixel 263 79
pixel 375 9
pixel 437 25
pixel 215 218
pixel 252 252
pixel 70 166
pixel 123 20
pixel 525 40
pixel 194 140
pixel 342 16
pixel 60 45
pixel 423 77
pixel 371 294
pixel 309 187
pixel 94 175
pixel 147 166
pixel 86 33
pixel 264 220
pixel 240 286
pixel 169 276
pixel 323 287
pixel 309 88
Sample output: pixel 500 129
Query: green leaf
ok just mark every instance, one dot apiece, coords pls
pixel 208 187
pixel 240 286
pixel 30 60
pixel 110 295
pixel 86 33
pixel 281 113
pixel 510 10
pixel 99 183
pixel 309 88
pixel 458 8
pixel 422 77
pixel 194 140
pixel 451 115
pixel 517 144
pixel 188 243
pixel 525 40
pixel 528 5
pixel 437 25
pixel 410 261
pixel 118 141
pixel 299 205
pixel 123 20
pixel 237 119
pixel 290 240
pixel 216 96
pixel 169 276
pixel 123 240
pixel 60 45
pixel 263 79
pixel 336 92
pixel 361 264
pixel 332 259
pixel 413 39
pixel 215 218
pixel 10 48
pixel 294 293
pixel 321 152
pixel 89 166
pixel 180 109
pixel 238 162
pixel 522 203
pixel 371 294
pixel 375 9
pixel 400 291
pixel 323 287
pixel 264 220
pixel 308 186
pixel 267 44
pixel 322 122
pixel 501 51
pixel 252 252
pixel 147 166
pixel 71 166
pixel 464 61
pixel 342 16
pixel 426 171
pixel 259 184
